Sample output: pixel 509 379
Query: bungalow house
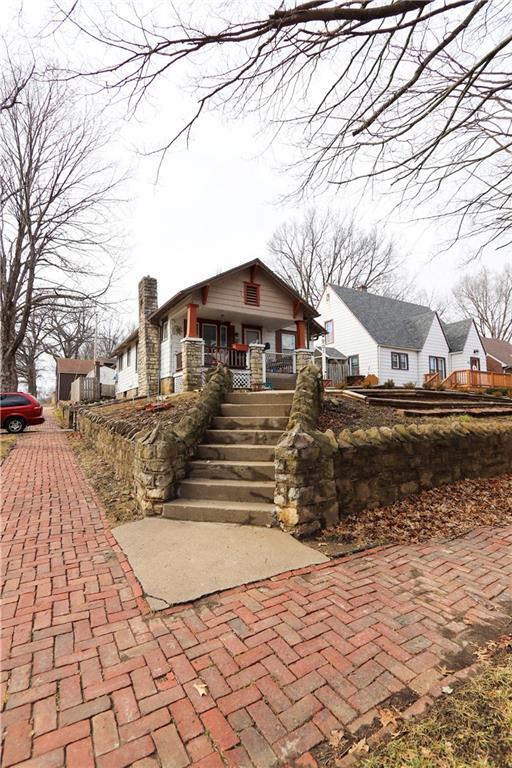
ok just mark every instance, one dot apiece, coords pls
pixel 499 355
pixel 246 318
pixel 395 339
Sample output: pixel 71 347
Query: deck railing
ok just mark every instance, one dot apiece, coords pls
pixel 232 358
pixel 430 379
pixel 279 362
pixel 467 379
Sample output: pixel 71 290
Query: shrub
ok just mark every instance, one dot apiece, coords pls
pixel 440 387
pixel 409 385
pixel 370 381
pixel 389 384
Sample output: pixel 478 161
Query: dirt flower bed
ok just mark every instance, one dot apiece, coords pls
pixel 441 513
pixel 339 413
pixel 146 413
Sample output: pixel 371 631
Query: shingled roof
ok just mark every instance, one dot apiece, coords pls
pixel 457 333
pixel 392 323
pixel 500 350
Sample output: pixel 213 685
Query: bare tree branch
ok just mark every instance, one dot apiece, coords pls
pixel 487 296
pixel 55 208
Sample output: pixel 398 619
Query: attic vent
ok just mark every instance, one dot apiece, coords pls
pixel 252 294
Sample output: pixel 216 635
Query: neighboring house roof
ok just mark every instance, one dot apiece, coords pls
pixel 457 333
pixel 134 335
pixel 390 322
pixel 500 350
pixel 309 310
pixel 74 365
pixel 332 353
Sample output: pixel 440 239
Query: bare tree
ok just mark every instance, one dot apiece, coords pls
pixel 31 351
pixel 55 218
pixel 326 248
pixel 415 91
pixel 69 331
pixel 487 296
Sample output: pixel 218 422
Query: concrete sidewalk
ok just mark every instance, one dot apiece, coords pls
pixel 176 561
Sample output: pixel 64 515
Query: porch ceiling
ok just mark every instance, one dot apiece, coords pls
pixel 267 322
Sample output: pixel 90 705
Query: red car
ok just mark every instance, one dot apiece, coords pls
pixel 19 410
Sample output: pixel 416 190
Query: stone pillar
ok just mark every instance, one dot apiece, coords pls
pixel 192 350
pixel 302 357
pixel 257 365
pixel 148 349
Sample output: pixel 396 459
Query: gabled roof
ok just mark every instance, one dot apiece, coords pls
pixel 74 365
pixel 390 322
pixel 309 310
pixel 457 333
pixel 500 350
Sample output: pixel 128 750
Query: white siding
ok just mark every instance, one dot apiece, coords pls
pixel 435 346
pixel 171 346
pixel 399 377
pixel 128 378
pixel 460 360
pixel 349 336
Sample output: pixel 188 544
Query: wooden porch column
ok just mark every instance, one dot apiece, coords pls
pixel 192 321
pixel 301 334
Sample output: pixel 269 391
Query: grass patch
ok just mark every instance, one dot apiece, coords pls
pixel 470 728
pixel 6 445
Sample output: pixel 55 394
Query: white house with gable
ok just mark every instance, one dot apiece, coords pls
pixel 395 339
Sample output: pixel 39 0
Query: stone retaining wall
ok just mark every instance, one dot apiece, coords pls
pixel 378 466
pixel 305 493
pixel 152 461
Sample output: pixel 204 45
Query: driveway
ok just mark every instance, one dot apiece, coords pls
pixel 255 676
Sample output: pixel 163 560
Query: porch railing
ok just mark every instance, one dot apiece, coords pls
pixel 279 362
pixel 430 379
pixel 468 379
pixel 232 358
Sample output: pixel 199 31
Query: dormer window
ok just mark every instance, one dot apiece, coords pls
pixel 252 294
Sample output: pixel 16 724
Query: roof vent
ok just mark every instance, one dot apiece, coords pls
pixel 361 287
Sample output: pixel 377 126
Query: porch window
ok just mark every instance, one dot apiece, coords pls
pixel 400 361
pixel 252 294
pixel 223 335
pixel 128 357
pixel 353 365
pixel 252 335
pixel 210 334
pixel 437 365
pixel 329 332
pixel 164 330
pixel 120 361
pixel 287 341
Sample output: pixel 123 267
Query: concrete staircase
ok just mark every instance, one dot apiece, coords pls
pixel 231 478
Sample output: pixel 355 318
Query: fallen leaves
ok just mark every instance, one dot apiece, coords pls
pixel 201 688
pixel 389 717
pixel 359 747
pixel 445 512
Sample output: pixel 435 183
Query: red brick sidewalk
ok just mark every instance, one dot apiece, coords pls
pixel 255 676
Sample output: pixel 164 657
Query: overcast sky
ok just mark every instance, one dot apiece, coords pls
pixel 217 202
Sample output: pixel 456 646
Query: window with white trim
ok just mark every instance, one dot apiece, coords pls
pixel 329 332
pixel 400 361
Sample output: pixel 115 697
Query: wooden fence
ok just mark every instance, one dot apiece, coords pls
pixel 84 390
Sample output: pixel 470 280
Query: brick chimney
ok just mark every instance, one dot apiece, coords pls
pixel 362 288
pixel 149 338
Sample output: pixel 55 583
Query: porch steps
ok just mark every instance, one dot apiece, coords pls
pixel 250 422
pixel 238 451
pixel 231 479
pixel 243 436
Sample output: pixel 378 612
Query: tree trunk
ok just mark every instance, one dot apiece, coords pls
pixel 32 378
pixel 9 378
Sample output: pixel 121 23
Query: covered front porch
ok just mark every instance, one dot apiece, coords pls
pixel 262 352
